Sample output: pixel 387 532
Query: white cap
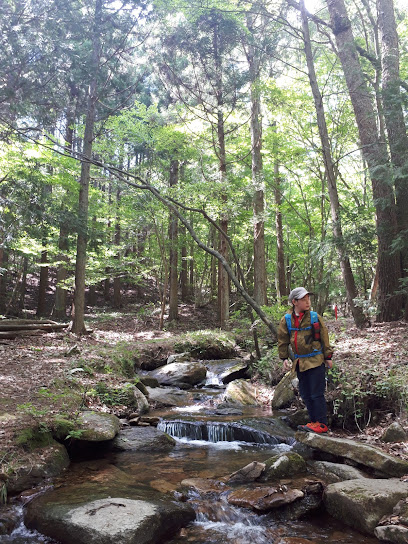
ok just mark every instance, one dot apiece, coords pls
pixel 298 293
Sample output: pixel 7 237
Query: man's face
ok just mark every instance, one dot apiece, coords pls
pixel 302 304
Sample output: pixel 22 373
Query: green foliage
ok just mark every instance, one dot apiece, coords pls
pixel 118 359
pixel 207 344
pixel 269 368
pixel 64 428
pixel 115 396
pixel 34 437
pixel 360 391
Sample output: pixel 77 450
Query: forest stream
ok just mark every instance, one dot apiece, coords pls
pixel 209 447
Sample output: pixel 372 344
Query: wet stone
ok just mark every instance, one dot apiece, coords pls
pixel 263 499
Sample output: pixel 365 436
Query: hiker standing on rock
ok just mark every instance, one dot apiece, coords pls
pixel 304 333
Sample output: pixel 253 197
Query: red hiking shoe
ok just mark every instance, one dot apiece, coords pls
pixel 315 427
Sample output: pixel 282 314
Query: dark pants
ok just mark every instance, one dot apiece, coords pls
pixel 312 384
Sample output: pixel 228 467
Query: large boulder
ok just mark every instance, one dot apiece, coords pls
pixel 143 439
pixel 284 392
pixel 362 503
pixel 183 375
pixel 335 472
pixel 108 520
pixel 43 463
pixel 166 396
pixel 140 403
pixel 227 370
pixel 394 433
pixel 396 534
pixel 362 454
pixel 394 528
pixel 98 427
pixel 241 392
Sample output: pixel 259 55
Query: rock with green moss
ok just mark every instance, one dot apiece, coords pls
pixel 284 465
pixel 98 427
pixel 37 466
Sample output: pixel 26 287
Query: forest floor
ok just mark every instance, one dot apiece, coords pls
pixel 37 373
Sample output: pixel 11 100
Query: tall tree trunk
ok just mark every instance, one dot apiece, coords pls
pixel 3 278
pixel 23 286
pixel 260 287
pixel 117 295
pixel 43 284
pixel 60 306
pixel 173 257
pixel 107 282
pixel 346 270
pixel 394 121
pixel 223 279
pixel 281 286
pixel 184 285
pixel 375 153
pixel 78 324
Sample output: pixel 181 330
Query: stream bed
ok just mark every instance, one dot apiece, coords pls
pixel 209 445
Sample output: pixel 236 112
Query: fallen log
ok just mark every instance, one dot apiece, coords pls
pixel 11 335
pixel 5 327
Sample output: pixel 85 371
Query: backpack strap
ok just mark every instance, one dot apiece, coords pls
pixel 288 319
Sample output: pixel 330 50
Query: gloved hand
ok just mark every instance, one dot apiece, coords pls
pixel 287 365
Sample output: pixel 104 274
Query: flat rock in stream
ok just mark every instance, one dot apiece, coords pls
pixel 362 454
pixel 362 503
pixel 143 439
pixel 166 396
pixel 335 472
pixel 109 520
pixel 98 427
pixel 183 375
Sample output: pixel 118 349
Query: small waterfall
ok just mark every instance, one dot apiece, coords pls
pixel 213 380
pixel 227 523
pixel 215 432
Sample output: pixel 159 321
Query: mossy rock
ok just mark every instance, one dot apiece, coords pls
pixel 284 465
pixel 207 344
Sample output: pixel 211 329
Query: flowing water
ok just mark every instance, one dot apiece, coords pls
pixel 211 446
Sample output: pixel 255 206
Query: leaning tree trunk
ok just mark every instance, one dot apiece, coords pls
pixel 346 271
pixel 394 120
pixel 78 324
pixel 375 154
